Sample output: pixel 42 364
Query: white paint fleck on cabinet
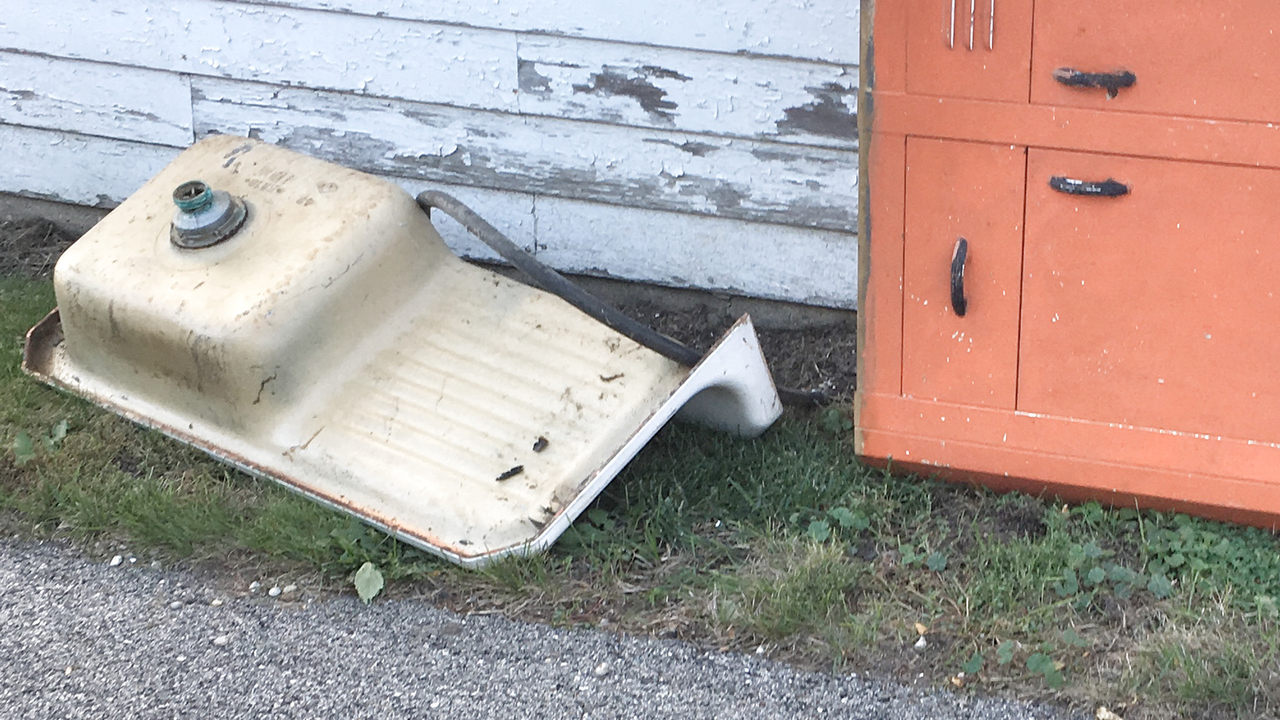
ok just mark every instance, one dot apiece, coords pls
pixel 113 101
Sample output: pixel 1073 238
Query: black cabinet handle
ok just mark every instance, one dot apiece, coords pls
pixel 1071 186
pixel 1113 82
pixel 958 302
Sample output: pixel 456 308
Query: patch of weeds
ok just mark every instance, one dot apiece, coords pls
pixel 1090 571
pixel 1207 556
pixel 801 589
pixel 1210 662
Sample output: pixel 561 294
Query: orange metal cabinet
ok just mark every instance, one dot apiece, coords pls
pixel 1113 169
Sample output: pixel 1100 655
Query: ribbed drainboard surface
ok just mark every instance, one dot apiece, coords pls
pixel 462 399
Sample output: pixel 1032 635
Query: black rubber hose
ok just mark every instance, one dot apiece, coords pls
pixel 553 282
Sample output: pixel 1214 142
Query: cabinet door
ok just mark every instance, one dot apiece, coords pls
pixel 973 191
pixel 1187 57
pixel 969 48
pixel 1158 308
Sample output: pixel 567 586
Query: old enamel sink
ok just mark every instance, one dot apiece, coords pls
pixel 306 323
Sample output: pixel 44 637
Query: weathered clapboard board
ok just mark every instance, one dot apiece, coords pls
pixel 77 169
pixel 824 30
pixel 747 180
pixel 700 92
pixel 95 99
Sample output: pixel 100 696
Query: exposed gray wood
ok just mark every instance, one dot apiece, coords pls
pixel 95 99
pixel 689 91
pixel 460 66
pixel 755 181
pixel 817 29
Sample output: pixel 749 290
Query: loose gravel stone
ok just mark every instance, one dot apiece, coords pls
pixel 221 640
pixel 175 605
pixel 255 586
pixel 116 560
pixel 274 591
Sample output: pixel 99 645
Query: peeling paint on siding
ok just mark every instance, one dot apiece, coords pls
pixel 802 186
pixel 531 80
pixel 76 169
pixel 833 113
pixel 635 83
pixel 467 67
pixel 739 96
pixel 95 99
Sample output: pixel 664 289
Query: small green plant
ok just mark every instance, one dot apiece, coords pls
pixel 1048 668
pixel 819 530
pixel 937 561
pixel 910 556
pixel 24 448
pixel 849 520
pixel 1090 572
pixel 837 420
pixel 846 523
pixel 1004 653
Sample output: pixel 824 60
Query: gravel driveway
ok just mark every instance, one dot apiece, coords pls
pixel 90 640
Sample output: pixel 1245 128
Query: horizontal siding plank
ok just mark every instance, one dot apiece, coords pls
pixel 95 99
pixel 756 259
pixel 747 180
pixel 689 91
pixel 386 57
pixel 816 29
pixel 77 169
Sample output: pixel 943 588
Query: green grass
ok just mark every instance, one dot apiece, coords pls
pixel 785 543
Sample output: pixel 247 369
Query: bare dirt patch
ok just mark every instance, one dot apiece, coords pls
pixel 821 357
pixel 29 247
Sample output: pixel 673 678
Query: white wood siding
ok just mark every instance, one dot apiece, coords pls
pixel 706 145
pixel 825 30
